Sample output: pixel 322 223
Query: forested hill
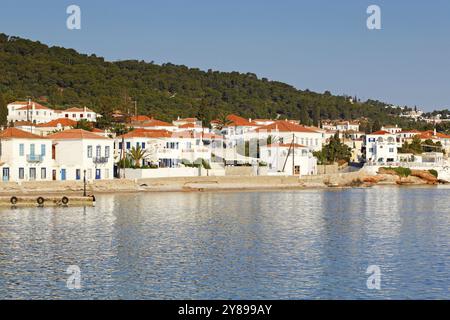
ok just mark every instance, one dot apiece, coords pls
pixel 60 77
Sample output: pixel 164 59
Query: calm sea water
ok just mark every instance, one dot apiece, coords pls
pixel 263 245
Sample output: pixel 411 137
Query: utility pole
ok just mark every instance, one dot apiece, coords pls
pixel 84 183
pixel 293 154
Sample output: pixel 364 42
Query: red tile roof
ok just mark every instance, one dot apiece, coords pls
pixel 239 121
pixel 285 126
pixel 14 133
pixel 76 109
pixel 380 133
pixel 54 123
pixel 74 134
pixel 37 106
pixel 141 133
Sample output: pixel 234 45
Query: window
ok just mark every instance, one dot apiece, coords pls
pixel 43 150
pixel 128 145
pixel 269 153
pixel 78 174
pixel 391 149
pixel 371 139
pixel 32 149
pixel 21 149
pixel 21 173
pixel 107 151
pixel 67 115
pixel 89 152
pixel 143 145
pixel 74 115
pixel 371 150
pixel 120 145
pixel 89 115
pixel 43 173
pixel 98 151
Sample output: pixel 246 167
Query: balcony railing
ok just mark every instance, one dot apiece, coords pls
pixel 35 158
pixel 101 160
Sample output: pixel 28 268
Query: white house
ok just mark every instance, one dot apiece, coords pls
pixel 289 159
pixel 165 149
pixel 76 150
pixel 78 114
pixel 381 147
pixel 37 113
pixel 25 156
pixel 392 129
pixel 285 131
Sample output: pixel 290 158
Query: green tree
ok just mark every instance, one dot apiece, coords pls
pixel 222 121
pixel 334 151
pixel 3 111
pixel 83 124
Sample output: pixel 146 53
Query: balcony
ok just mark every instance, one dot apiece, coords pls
pixel 100 160
pixel 35 158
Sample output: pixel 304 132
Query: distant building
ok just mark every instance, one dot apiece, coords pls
pixel 36 113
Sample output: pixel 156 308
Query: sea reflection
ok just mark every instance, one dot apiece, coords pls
pixel 255 245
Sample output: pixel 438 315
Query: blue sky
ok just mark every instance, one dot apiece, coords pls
pixel 315 44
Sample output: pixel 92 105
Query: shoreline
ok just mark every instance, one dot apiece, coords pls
pixel 338 181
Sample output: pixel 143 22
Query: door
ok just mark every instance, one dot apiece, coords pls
pixel 32 173
pixel 5 174
pixel 54 175
pixel 98 174
pixel 63 174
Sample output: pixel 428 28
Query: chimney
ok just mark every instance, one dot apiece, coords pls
pixel 249 119
pixel 434 132
pixel 84 109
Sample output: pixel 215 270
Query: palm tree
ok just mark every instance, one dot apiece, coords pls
pixel 222 121
pixel 120 130
pixel 137 154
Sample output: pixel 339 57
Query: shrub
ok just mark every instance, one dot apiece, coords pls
pixel 433 172
pixel 400 171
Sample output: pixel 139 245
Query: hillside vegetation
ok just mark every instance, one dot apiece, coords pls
pixel 60 77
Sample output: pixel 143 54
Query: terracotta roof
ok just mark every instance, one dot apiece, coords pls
pixel 37 106
pixel 380 133
pixel 430 135
pixel 147 134
pixel 54 123
pixel 98 130
pixel 285 126
pixel 239 121
pixel 76 109
pixel 188 125
pixel 11 133
pixel 74 134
